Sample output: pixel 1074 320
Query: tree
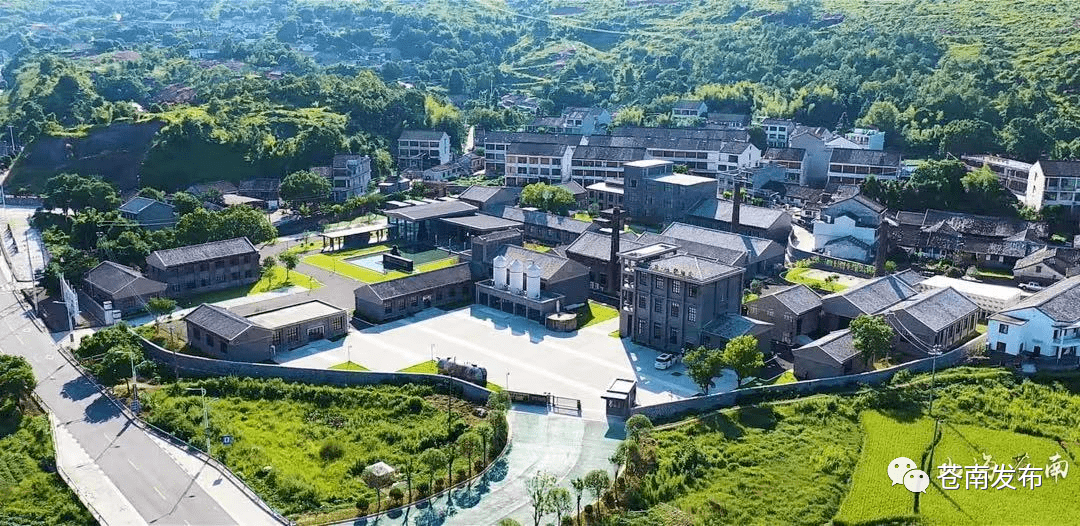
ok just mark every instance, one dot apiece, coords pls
pixel 152 193
pixel 579 488
pixel 485 431
pixel 555 199
pixel 160 306
pixel 303 187
pixel 703 364
pixel 537 487
pixel 16 377
pixel 408 468
pixel 289 260
pixel 741 354
pixel 185 203
pixel 872 336
pixel 597 481
pixel 638 426
pixel 559 502
pixel 469 445
pixel 434 460
pixel 266 268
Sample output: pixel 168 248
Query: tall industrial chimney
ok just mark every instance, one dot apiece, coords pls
pixel 736 201
pixel 614 272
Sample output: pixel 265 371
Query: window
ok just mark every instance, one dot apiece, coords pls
pixel 196 333
pixel 414 301
pixel 1003 329
pixel 691 291
pixel 691 313
pixel 247 258
pixel 641 327
pixel 337 323
pixel 292 333
pixel 209 339
pixel 657 305
pixel 224 346
pixel 673 335
pixel 675 286
pixel 219 263
pixel 388 307
pixel 1038 269
pixel 656 330
pixel 247 274
pixel 659 282
pixel 642 302
pixel 674 310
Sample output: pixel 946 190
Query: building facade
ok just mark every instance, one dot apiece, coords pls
pixel 851 229
pixel 1054 183
pixel 350 176
pixel 793 311
pixel 1046 324
pixel 195 269
pixel 422 149
pixel 853 166
pixel 653 193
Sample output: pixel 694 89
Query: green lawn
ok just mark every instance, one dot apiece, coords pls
pixel 593 313
pixel 335 263
pixel 993 273
pixel 273 281
pixel 349 366
pixel 798 275
pixel 357 221
pixel 583 216
pixel 302 448
pixel 786 377
pixel 430 367
pixel 884 438
pixel 537 248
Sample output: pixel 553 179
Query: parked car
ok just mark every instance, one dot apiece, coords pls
pixel 1032 286
pixel 664 361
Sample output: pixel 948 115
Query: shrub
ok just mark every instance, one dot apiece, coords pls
pixel 396 494
pixel 331 450
pixel 900 377
pixel 362 503
pixel 890 266
pixel 423 488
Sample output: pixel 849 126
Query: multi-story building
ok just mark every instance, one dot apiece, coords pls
pixel 704 157
pixel 734 216
pixel 939 318
pixel 596 164
pixel 1046 324
pixel 398 298
pixel 688 110
pixel 1013 174
pixel 672 301
pixel 127 289
pixel 202 268
pixel 868 138
pixel 606 194
pixel 350 176
pixel 1054 183
pixel 422 149
pixel 814 141
pixel 777 132
pixel 792 160
pixel 581 121
pixel 728 120
pixel 148 213
pixel 851 166
pixel 793 311
pixel 529 162
pixel 544 227
pixel 851 229
pixel 653 193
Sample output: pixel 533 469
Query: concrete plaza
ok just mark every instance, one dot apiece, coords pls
pixel 518 354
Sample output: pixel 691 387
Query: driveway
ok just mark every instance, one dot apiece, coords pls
pixel 564 446
pixel 519 354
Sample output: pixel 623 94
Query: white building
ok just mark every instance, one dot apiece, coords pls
pixel 423 149
pixel 852 166
pixel 778 131
pixel 850 229
pixel 528 163
pixel 1045 324
pixel 989 298
pixel 1013 174
pixel 350 176
pixel 688 110
pixel 1054 183
pixel 867 138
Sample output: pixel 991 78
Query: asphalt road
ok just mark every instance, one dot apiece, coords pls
pixel 159 490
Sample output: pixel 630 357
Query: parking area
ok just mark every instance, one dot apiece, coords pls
pixel 518 354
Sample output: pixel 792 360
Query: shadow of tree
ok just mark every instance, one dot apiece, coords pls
pixel 78 388
pixel 101 410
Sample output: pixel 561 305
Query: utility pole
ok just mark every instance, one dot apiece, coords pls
pixel 935 352
pixel 206 416
pixel 33 279
pixel 134 381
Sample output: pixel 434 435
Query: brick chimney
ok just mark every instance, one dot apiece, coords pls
pixel 614 272
pixel 736 201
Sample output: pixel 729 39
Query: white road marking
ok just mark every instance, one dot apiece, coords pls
pixel 133 465
pixel 162 495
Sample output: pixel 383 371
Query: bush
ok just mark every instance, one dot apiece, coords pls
pixel 362 503
pixel 396 494
pixel 331 450
pixel 423 488
pixel 890 266
pixel 901 377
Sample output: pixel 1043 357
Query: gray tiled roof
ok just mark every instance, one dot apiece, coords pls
pixel 421 135
pixel 552 267
pixel 937 309
pixel 536 217
pixel 202 252
pixel 694 133
pixel 870 204
pixel 218 321
pixel 432 210
pixel 864 157
pixel 728 326
pixel 1060 168
pixel 797 298
pixel 609 153
pixel 122 281
pixel 537 148
pixel 573 187
pixel 720 210
pixel 838 345
pixel 756 247
pixel 138 204
pixel 481 222
pixel 504 137
pixel 687 104
pixel 597 245
pixel 784 154
pixel 395 288
pixel 877 294
pixel 1060 301
pixel 1058 258
pixel 693 267
pixel 483 194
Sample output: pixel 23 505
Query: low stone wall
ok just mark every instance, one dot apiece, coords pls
pixel 24 200
pixel 829 263
pixel 209 367
pixel 674 410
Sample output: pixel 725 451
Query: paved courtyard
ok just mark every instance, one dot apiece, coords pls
pixel 517 353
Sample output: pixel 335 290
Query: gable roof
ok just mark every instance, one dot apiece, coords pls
pixel 597 245
pixel 396 288
pixel 755 247
pixel 421 135
pixel 1058 258
pixel 784 154
pixel 573 187
pixel 686 104
pixel 483 194
pixel 552 267
pixel 537 217
pixel 865 157
pixel 201 252
pixel 121 281
pixel 870 204
pixel 1059 168
pixel 936 309
pixel 219 321
pixel 797 298
pixel 1060 301
pixel 720 210
pixel 537 148
pixel 137 204
pixel 432 210
pixel 693 267
pixel 875 295
pixel 838 345
pixel 609 153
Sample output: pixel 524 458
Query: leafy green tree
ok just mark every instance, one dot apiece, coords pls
pixel 872 336
pixel 537 487
pixel 741 355
pixel 559 503
pixel 266 268
pixel 469 445
pixel 485 432
pixel 160 306
pixel 16 377
pixel 598 482
pixel 550 198
pixel 289 260
pixel 305 187
pixel 703 364
pixel 434 460
pixel 578 484
pixel 185 203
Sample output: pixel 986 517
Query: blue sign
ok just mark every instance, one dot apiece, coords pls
pixel 227 440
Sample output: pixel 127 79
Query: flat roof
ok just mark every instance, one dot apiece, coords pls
pixel 649 250
pixel 685 179
pixel 974 288
pixel 481 222
pixel 646 163
pixel 604 187
pixel 363 229
pixel 621 386
pixel 285 316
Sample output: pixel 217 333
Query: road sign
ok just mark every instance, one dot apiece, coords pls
pixel 227 440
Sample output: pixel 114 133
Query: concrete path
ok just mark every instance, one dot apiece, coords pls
pixel 27 240
pixel 846 280
pixel 566 447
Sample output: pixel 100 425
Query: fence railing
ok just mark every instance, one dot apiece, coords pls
pixel 53 426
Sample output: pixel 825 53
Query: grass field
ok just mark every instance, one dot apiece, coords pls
pixel 335 262
pixel 272 281
pixel 349 366
pixel 798 275
pixel 430 367
pixel 537 248
pixel 885 437
pixel 302 448
pixel 31 493
pixel 593 313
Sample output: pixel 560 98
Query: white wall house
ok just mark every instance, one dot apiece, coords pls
pixel 1045 324
pixel 850 229
pixel 1054 183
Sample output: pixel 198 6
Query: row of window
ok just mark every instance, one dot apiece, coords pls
pixel 863 169
pixel 657 331
pixel 414 300
pixel 205 265
pixel 674 308
pixel 522 170
pixel 521 159
pixel 596 164
pixel 433 145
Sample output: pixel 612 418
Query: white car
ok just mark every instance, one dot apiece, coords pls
pixel 664 361
pixel 1032 286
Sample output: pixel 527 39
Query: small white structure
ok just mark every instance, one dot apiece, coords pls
pixel 517 277
pixel 989 298
pixel 532 285
pixel 499 276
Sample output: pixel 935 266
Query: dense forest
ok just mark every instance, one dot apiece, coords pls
pixel 290 82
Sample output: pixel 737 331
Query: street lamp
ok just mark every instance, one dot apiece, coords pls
pixel 205 415
pixel 507 380
pixel 934 353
